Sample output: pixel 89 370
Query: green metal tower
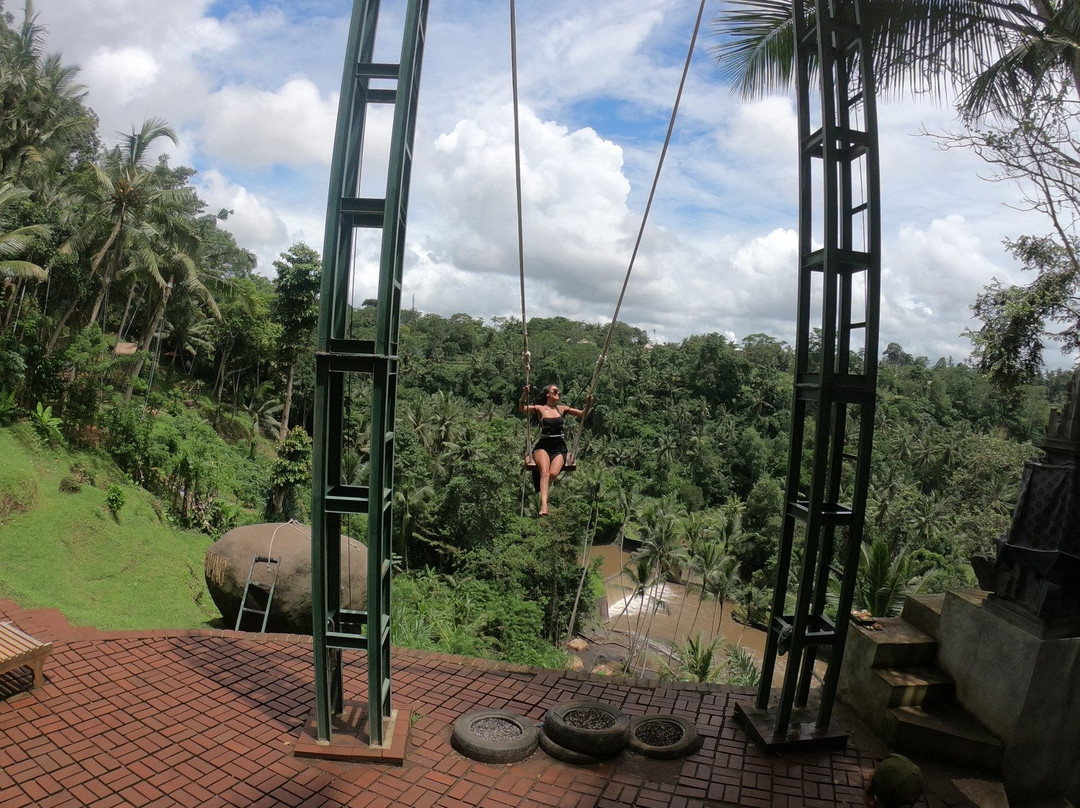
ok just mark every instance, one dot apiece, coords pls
pixel 342 359
pixel 835 370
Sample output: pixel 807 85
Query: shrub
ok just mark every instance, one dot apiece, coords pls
pixel 69 485
pixel 114 500
pixel 8 407
pixel 46 424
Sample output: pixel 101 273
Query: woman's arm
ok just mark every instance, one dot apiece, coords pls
pixel 579 413
pixel 523 405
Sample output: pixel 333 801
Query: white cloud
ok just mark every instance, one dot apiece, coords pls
pixel 292 125
pixel 255 225
pixel 576 223
pixel 120 75
pixel 930 277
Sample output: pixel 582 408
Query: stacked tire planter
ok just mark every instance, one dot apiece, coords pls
pixel 578 732
pixel 584 732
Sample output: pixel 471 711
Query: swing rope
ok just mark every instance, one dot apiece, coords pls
pixel 641 228
pixel 526 356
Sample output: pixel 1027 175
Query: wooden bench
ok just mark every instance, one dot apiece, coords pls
pixel 18 649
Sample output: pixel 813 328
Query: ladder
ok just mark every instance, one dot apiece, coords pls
pixel 341 358
pixel 265 592
pixel 836 358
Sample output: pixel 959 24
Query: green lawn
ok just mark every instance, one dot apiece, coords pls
pixel 67 551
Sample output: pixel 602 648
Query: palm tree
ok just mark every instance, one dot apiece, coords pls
pixel 884 580
pixel 643 577
pixel 410 498
pixel 998 52
pixel 172 269
pixel 722 582
pixel 708 556
pixel 695 661
pixel 41 111
pixel 592 481
pixel 15 243
pixel 133 224
pixel 660 531
pixel 739 667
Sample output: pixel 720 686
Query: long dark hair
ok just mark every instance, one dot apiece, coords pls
pixel 541 397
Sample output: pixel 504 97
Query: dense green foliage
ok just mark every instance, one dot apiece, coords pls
pixel 136 330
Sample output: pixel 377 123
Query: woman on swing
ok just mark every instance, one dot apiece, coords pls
pixel 550 451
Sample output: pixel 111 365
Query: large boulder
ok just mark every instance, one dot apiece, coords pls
pixel 228 562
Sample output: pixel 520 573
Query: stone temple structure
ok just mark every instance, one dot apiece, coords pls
pixel 1036 571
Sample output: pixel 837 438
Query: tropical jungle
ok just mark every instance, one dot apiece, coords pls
pixel 156 389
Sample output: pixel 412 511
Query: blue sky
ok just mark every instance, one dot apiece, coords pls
pixel 251 88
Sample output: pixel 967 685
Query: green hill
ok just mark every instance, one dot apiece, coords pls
pixel 60 545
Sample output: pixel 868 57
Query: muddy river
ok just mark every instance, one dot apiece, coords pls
pixel 686 613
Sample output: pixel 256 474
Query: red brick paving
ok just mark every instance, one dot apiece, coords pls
pixel 208 719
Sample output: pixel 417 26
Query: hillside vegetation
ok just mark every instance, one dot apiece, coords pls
pixel 63 547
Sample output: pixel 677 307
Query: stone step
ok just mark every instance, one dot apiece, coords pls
pixel 946 732
pixel 915 687
pixel 924 612
pixel 898 644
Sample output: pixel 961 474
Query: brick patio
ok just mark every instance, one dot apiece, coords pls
pixel 207 719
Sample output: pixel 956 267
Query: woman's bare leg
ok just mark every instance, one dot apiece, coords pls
pixel 543 463
pixel 551 469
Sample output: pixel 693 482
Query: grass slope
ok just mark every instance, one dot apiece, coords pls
pixel 67 551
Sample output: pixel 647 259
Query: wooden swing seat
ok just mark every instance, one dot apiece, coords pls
pixel 569 465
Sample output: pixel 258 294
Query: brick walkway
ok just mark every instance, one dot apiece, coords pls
pixel 207 718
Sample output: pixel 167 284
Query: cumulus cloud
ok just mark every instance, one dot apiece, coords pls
pixel 255 225
pixel 576 222
pixel 930 278
pixel 120 75
pixel 293 124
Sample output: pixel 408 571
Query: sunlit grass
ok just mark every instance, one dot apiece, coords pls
pixel 70 553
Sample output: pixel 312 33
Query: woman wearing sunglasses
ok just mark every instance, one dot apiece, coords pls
pixel 549 453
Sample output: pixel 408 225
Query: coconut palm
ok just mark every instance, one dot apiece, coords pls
pixel 643 576
pixel 997 52
pixel 739 667
pixel 592 485
pixel 41 111
pixel 660 531
pixel 15 243
pixel 134 221
pixel 722 582
pixel 411 498
pixel 708 557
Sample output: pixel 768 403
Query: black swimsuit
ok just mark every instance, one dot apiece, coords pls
pixel 551 437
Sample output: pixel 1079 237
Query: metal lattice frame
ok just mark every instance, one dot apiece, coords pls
pixel 339 356
pixel 838 290
pixel 835 375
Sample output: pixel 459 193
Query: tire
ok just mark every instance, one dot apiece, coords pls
pixel 561 753
pixel 595 741
pixel 470 738
pixel 688 741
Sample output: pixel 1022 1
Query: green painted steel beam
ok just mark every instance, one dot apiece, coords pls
pixel 340 357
